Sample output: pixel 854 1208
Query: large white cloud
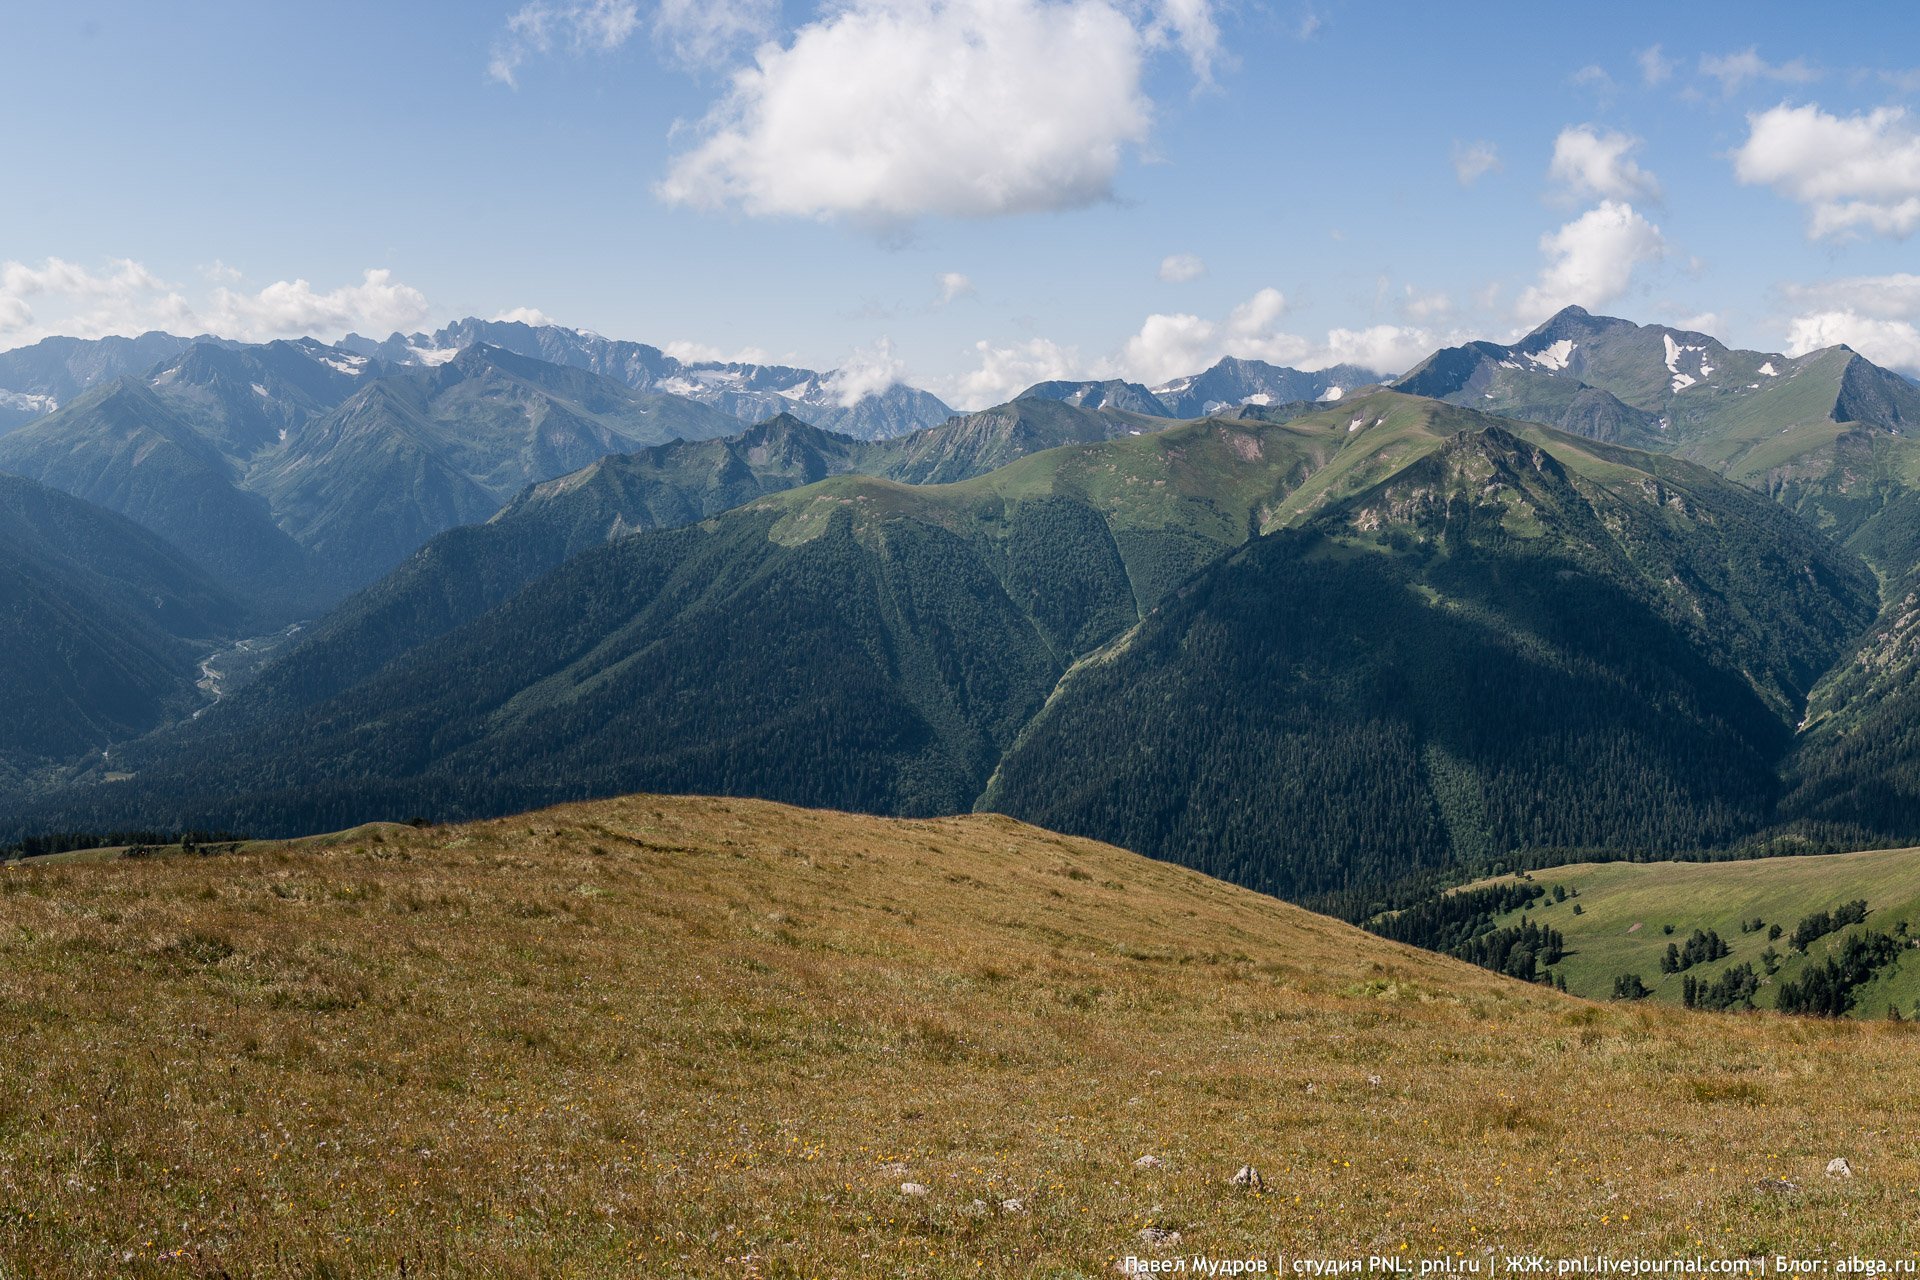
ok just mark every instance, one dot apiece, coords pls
pixel 62 297
pixel 1875 315
pixel 1591 260
pixel 867 372
pixel 885 110
pixel 1595 165
pixel 1853 173
pixel 1894 343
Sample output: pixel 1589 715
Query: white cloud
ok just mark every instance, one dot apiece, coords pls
pixel 1190 25
pixel 1597 81
pixel 1591 260
pixel 1178 268
pixel 882 111
pixel 1890 297
pixel 1592 165
pixel 1875 315
pixel 578 26
pixel 1425 306
pixel 707 33
pixel 61 297
pixel 1894 343
pixel 1386 348
pixel 15 314
pixel 64 297
pixel 1005 372
pixel 867 372
pixel 524 315
pixel 1859 172
pixel 1473 161
pixel 1736 70
pixel 953 285
pixel 292 308
pixel 1655 67
pixel 1168 346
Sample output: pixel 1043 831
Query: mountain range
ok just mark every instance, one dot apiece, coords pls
pixel 1613 587
pixel 1228 385
pixel 747 391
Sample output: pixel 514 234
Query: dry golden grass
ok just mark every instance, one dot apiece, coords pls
pixel 663 1036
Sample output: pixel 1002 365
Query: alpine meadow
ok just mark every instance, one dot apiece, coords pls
pixel 930 638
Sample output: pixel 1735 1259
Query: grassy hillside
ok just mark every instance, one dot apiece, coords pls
pixel 1625 908
pixel 693 1037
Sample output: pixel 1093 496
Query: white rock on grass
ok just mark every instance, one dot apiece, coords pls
pixel 1148 1162
pixel 1248 1179
pixel 914 1189
pixel 1839 1168
pixel 1013 1206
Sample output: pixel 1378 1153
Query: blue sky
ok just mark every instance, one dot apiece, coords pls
pixel 970 194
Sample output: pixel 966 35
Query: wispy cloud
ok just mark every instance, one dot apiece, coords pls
pixel 1473 161
pixel 573 26
pixel 1735 71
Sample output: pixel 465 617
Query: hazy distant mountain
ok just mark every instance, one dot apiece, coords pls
pixel 123 447
pixel 1228 385
pixel 1232 383
pixel 749 392
pixel 292 471
pixel 429 448
pixel 36 380
pixel 1113 393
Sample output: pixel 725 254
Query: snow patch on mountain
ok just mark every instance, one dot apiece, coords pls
pixel 1554 357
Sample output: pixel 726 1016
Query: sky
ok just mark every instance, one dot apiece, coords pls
pixel 969 195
